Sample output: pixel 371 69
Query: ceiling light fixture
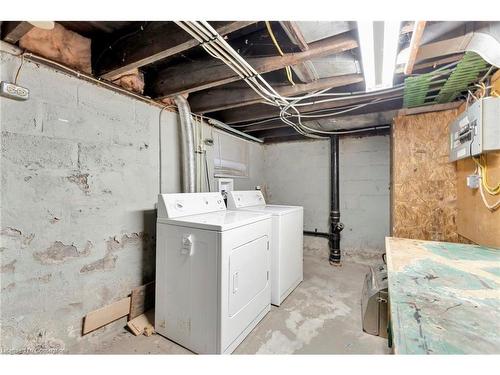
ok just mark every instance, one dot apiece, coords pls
pixel 379 42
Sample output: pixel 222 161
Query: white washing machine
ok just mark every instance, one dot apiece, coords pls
pixel 287 240
pixel 212 271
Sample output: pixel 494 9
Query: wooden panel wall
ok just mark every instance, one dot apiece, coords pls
pixel 424 190
pixel 474 220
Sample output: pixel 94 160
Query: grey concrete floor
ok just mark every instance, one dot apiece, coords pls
pixel 321 316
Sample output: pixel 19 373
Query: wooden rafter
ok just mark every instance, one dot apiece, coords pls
pixel 221 99
pixel 157 41
pixel 201 75
pixel 261 112
pixel 416 37
pixel 12 31
pixel 343 122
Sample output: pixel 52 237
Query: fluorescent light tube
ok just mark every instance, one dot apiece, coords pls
pixel 391 42
pixel 366 40
pixel 390 37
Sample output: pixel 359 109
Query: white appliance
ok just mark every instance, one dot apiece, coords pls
pixel 287 240
pixel 212 271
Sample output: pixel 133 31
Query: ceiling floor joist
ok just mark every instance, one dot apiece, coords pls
pixel 202 75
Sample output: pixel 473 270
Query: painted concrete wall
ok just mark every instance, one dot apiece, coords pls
pixel 299 173
pixel 79 182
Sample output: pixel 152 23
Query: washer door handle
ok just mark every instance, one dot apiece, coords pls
pixel 235 282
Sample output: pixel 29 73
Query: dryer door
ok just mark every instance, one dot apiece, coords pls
pixel 245 284
pixel 248 273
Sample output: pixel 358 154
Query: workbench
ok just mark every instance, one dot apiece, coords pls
pixel 444 298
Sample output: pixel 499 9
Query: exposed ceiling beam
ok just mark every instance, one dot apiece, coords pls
pixel 202 75
pixel 261 111
pixel 305 70
pixel 432 64
pixel 429 108
pixel 416 37
pixel 285 134
pixel 344 122
pixel 295 35
pixel 12 31
pixel 443 47
pixel 157 41
pixel 220 99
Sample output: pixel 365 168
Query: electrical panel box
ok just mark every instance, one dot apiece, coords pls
pixel 477 130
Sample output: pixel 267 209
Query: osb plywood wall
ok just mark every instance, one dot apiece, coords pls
pixel 424 195
pixel 474 220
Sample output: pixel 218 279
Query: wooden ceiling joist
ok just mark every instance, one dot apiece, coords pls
pixel 416 37
pixel 261 112
pixel 343 122
pixel 12 31
pixel 202 75
pixel 156 42
pixel 221 99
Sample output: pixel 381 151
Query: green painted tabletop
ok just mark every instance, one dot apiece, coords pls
pixel 444 297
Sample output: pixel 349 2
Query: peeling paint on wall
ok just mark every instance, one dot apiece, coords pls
pixel 81 180
pixel 9 267
pixel 103 264
pixel 58 252
pixel 79 166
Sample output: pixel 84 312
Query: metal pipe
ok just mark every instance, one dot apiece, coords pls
pixel 335 225
pixel 316 234
pixel 188 165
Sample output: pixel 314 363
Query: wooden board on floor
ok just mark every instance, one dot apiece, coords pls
pixel 106 315
pixel 142 322
pixel 142 299
pixel 474 220
pixel 444 297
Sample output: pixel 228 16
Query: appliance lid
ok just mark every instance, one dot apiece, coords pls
pixel 186 204
pixel 273 209
pixel 217 221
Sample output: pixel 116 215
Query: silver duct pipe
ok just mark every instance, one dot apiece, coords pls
pixel 187 146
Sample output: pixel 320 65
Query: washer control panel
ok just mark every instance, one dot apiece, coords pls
pixel 185 204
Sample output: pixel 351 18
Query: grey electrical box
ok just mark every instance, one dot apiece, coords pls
pixel 13 91
pixel 477 130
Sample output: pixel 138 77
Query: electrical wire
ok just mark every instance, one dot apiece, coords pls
pixel 19 69
pixel 483 171
pixel 491 207
pixel 273 38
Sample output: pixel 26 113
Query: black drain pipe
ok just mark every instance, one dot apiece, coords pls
pixel 335 225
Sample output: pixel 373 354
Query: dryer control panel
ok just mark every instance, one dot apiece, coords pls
pixel 186 204
pixel 247 198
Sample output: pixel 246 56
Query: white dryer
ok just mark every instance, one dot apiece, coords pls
pixel 287 240
pixel 212 271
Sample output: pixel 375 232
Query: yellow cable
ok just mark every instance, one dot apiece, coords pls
pixel 273 38
pixel 483 170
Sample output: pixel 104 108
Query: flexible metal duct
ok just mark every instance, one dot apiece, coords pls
pixel 187 146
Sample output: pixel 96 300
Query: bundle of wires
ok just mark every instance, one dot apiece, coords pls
pixel 482 171
pixel 217 47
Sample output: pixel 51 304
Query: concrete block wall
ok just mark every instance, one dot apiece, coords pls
pixel 299 173
pixel 79 180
